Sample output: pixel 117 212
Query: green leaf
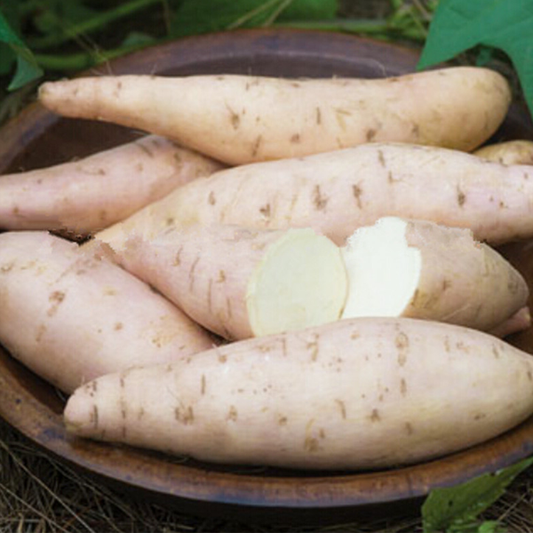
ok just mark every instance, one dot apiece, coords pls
pixel 203 16
pixel 456 509
pixel 507 25
pixel 7 59
pixel 27 68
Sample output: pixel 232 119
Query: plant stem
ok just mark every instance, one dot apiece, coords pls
pixel 348 25
pixel 94 23
pixel 82 60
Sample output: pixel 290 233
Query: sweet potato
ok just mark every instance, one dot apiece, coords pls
pixel 517 152
pixel 520 321
pixel 241 119
pixel 70 314
pixel 92 193
pixel 419 269
pixel 241 283
pixel 337 192
pixel 353 394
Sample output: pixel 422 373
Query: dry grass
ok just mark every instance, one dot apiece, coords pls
pixel 38 494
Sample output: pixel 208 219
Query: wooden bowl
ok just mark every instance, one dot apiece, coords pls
pixel 36 138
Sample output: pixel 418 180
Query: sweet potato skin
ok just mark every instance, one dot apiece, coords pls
pixel 87 195
pixel 470 283
pixel 515 152
pixel 242 119
pixel 337 192
pixel 70 314
pixel 359 393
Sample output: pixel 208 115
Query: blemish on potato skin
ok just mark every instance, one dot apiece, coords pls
pixel 92 387
pixel 311 444
pixel 265 211
pixel 118 89
pixel 370 135
pixel 402 344
pixel 203 385
pixel 229 308
pixel 381 158
pixel 409 428
pixel 256 145
pixel 357 192
pixel 403 387
pixel 232 414
pixel 184 415
pixel 177 257
pixel 93 416
pixel 235 119
pixel 319 200
pixel 145 149
pixel 191 273
pixel 447 345
pixel 318 116
pixel 41 330
pixel 221 276
pixel 55 298
pixel 312 346
pixel 282 420
pixel 296 138
pixel 461 197
pixel 211 199
pixel 401 341
pixel 375 416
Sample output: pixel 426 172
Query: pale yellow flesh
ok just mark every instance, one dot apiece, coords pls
pixel 384 270
pixel 300 282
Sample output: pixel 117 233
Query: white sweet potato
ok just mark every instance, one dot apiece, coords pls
pixel 90 194
pixel 520 321
pixel 241 119
pixel 354 394
pixel 337 192
pixel 419 269
pixel 242 283
pixel 517 152
pixel 70 314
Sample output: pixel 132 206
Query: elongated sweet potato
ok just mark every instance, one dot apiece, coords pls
pixel 90 194
pixel 354 394
pixel 70 314
pixel 242 283
pixel 517 152
pixel 419 269
pixel 242 119
pixel 337 192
